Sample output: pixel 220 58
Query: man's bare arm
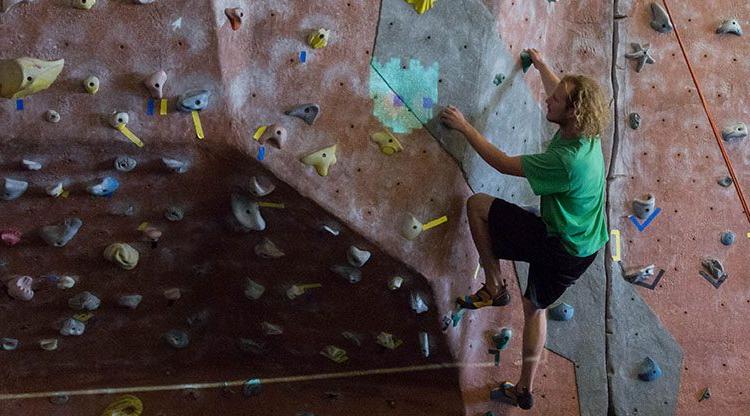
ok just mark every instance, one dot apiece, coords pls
pixel 509 165
pixel 549 79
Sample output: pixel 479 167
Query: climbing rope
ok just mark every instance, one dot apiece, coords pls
pixel 711 121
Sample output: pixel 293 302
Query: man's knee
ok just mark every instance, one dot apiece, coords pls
pixel 529 309
pixel 479 204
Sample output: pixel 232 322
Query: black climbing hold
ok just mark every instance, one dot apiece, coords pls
pixel 307 112
pixel 634 120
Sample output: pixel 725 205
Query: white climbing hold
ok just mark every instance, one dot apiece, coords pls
pixel 418 304
pixel 261 186
pixel 253 289
pixel 49 344
pixel 268 250
pixel 52 116
pixel 731 26
pixel 72 327
pixel 411 228
pixel 31 164
pixel 84 301
pixel 13 189
pixel 175 165
pixel 271 329
pixel 735 132
pixel 55 190
pixel 395 282
pixel 660 19
pixel 20 287
pixel 644 207
pixel 118 119
pixel 66 282
pixel 247 213
pixel 357 257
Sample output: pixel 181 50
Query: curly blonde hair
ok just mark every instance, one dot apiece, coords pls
pixel 590 104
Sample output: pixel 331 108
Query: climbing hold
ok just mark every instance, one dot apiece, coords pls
pixel 321 160
pixel 155 84
pixel 649 370
pixel 119 119
pixel 60 234
pixel 247 213
pixel 634 120
pixel 331 228
pixel 715 267
pixel 105 187
pixel 705 394
pixel 175 165
pixel 307 112
pixel 22 77
pixel 421 6
pixel 261 186
pixel 13 189
pixel 72 327
pixel 252 387
pixel 499 78
pixel 10 237
pixel 388 143
pixel 177 339
pixel 253 289
pixel 319 38
pixel 251 346
pixel 388 341
pixel 725 181
pixel 173 293
pixel 640 273
pixel 561 312
pixel 644 207
pixel 6 5
pixel 730 27
pixel 195 100
pixel 526 61
pixel 31 164
pixel 275 135
pixel 268 250
pixel 235 16
pixel 174 213
pixel 334 353
pixel 125 163
pixel 727 238
pixel 91 84
pixel 129 301
pixel 66 282
pixel 143 1
pixel 418 304
pixel 353 337
pixel 424 344
pixel 19 288
pixel 84 301
pixel 271 329
pixel 502 339
pixel 122 254
pixel 124 406
pixel 660 19
pixel 395 282
pixel 357 257
pixel 54 190
pixel 352 274
pixel 411 228
pixel 641 54
pixel 735 132
pixel 49 344
pixel 52 116
pixel 83 4
pixel 9 344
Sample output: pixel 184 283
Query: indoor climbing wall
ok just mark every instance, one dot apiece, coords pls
pixel 223 206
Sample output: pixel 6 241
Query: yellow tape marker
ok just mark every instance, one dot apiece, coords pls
pixel 259 132
pixel 271 205
pixel 476 272
pixel 618 247
pixel 130 135
pixel 434 223
pixel 310 286
pixel 83 317
pixel 198 126
pixel 65 194
pixel 163 107
pixel 143 226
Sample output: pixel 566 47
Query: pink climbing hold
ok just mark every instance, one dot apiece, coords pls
pixel 10 237
pixel 20 288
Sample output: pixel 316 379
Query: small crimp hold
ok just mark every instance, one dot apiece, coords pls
pixel 268 250
pixel 526 61
pixel 125 163
pixel 725 181
pixel 422 6
pixel 634 120
pixel 735 132
pixel 253 289
pixel 84 301
pixel 105 187
pixel 52 116
pixel 307 112
pixel 388 341
pixel 235 16
pixel 357 257
pixel 247 213
pixel 174 213
pixel 660 19
pixel 728 238
pixel 13 189
pixel 640 273
pixel 175 165
pixel 649 370
pixel 561 312
pixel 9 344
pixel 261 186
pixel 334 353
pixel 731 26
pixel 177 339
pixel 31 164
pixel 271 329
pixel 196 100
pixel 72 327
pixel 129 301
pixel 49 344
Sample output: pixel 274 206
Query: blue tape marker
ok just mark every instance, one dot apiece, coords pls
pixel 303 56
pixel 19 104
pixel 150 107
pixel 427 102
pixel 645 224
pixel 261 153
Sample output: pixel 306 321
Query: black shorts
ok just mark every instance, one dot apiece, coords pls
pixel 519 235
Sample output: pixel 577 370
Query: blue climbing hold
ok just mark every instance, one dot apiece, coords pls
pixel 727 238
pixel 649 370
pixel 561 312
pixel 252 387
pixel 106 187
pixel 502 339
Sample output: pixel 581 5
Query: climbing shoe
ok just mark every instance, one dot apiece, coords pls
pixel 483 298
pixel 507 393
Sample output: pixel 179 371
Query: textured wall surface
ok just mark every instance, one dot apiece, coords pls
pixel 449 55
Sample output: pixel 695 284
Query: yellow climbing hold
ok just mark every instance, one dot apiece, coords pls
pixel 83 4
pixel 422 6
pixel 321 160
pixel 319 38
pixel 22 77
pixel 123 254
pixel 124 406
pixel 388 143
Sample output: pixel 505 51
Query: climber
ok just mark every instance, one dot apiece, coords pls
pixel 561 244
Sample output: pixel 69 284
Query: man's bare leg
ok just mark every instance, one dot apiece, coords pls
pixel 534 337
pixel 477 210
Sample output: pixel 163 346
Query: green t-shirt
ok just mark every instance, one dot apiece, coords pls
pixel 569 177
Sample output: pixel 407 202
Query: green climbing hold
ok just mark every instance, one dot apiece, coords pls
pixel 499 78
pixel 502 339
pixel 526 61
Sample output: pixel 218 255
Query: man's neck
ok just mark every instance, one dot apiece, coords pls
pixel 569 132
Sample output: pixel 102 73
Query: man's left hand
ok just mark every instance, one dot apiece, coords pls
pixel 452 118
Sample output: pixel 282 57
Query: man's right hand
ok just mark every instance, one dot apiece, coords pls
pixel 536 58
